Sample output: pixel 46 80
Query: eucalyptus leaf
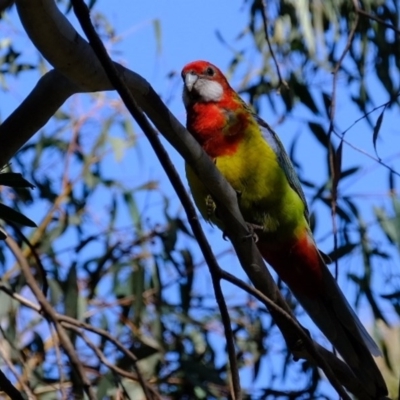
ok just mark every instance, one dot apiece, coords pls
pixel 13 179
pixel 8 214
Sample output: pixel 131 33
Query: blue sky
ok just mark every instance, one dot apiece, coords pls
pixel 188 32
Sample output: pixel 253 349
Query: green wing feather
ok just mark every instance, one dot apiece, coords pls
pixel 284 161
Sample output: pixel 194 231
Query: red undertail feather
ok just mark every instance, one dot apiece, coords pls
pixel 297 262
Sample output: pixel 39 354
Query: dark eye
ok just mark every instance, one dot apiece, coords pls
pixel 210 71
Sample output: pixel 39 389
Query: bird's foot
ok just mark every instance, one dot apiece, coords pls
pixel 210 206
pixel 252 231
pixel 251 235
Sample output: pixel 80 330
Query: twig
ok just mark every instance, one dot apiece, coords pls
pixel 336 71
pixel 103 358
pixel 51 315
pixel 342 134
pixel 361 151
pixel 282 82
pixel 11 367
pixel 35 256
pixel 38 233
pixel 59 364
pixel 365 14
pixel 376 159
pixel 83 16
pixel 80 324
pixel 336 156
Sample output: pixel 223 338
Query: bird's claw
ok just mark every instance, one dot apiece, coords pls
pixel 252 234
pixel 210 206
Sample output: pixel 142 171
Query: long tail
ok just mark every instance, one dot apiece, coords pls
pixel 302 268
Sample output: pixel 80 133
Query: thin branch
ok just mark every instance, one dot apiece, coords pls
pixel 83 16
pixel 64 394
pixel 282 82
pixel 11 367
pixel 51 315
pixel 104 359
pixel 35 256
pixel 365 14
pixel 348 143
pixel 335 73
pixel 80 324
pixel 335 157
pixel 378 160
pixel 39 232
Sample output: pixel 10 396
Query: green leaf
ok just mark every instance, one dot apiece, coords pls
pixel 106 387
pixel 138 287
pixel 303 14
pixel 386 224
pixel 396 219
pixel 133 389
pixel 71 293
pixel 56 293
pixel 133 209
pixel 187 284
pixel 8 214
pixel 7 304
pixel 119 146
pixel 157 34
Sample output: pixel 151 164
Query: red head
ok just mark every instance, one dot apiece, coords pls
pixel 216 116
pixel 203 83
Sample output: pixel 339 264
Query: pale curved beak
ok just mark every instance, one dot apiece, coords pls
pixel 190 80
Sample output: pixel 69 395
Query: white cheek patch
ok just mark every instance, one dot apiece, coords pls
pixel 209 90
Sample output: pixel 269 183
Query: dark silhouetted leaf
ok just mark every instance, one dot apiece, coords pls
pixel 327 102
pixel 348 172
pixel 319 133
pixel 342 251
pixel 377 129
pixel 8 214
pixel 302 92
pixel 14 180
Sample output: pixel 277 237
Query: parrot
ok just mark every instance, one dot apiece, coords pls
pixel 251 157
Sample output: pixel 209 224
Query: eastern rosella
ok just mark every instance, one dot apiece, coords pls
pixel 251 157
